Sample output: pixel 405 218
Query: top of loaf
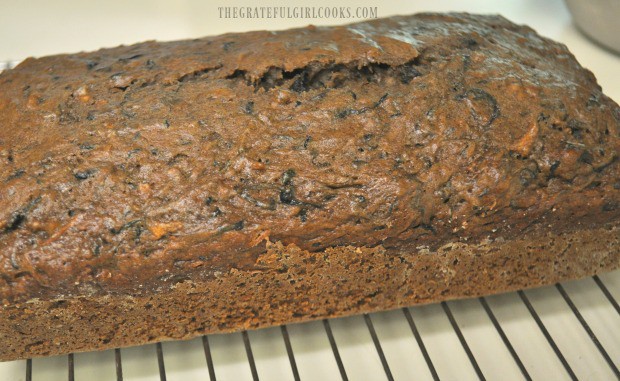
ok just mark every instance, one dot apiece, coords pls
pixel 130 168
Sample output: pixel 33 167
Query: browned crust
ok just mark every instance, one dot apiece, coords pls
pixel 393 162
pixel 151 163
pixel 298 285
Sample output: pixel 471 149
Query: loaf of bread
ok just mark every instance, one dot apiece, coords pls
pixel 168 190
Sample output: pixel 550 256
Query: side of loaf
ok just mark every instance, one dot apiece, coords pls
pixel 166 190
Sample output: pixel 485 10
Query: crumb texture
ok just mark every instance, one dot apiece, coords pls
pixel 291 287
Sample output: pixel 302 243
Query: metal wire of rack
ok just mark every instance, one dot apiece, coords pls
pixel 379 356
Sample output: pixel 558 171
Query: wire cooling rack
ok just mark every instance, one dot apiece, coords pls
pixel 568 331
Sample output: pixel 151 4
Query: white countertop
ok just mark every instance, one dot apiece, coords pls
pixel 40 27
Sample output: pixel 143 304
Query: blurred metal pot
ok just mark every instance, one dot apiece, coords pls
pixel 599 20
